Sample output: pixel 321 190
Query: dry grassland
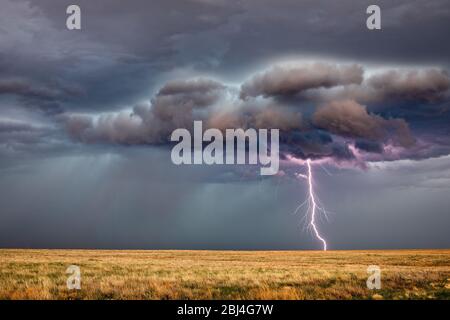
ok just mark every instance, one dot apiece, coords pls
pixel 144 274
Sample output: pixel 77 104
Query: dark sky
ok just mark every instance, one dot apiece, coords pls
pixel 85 117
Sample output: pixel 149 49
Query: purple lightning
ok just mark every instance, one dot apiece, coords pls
pixel 313 208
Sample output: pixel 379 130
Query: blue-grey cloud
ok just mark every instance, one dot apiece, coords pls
pixel 85 118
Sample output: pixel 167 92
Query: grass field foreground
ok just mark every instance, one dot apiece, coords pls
pixel 173 274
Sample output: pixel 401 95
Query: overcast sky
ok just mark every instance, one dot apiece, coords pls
pixel 86 116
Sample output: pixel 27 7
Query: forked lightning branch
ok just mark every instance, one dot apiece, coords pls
pixel 263 146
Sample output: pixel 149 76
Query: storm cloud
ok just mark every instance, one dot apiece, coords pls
pixel 86 116
pixel 285 80
pixel 266 101
pixel 350 119
pixel 429 85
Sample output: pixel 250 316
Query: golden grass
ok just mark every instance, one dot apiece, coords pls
pixel 143 274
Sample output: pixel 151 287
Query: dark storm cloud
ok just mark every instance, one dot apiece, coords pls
pixel 369 146
pixel 202 87
pixel 51 69
pixel 208 33
pixel 83 114
pixel 24 88
pixel 15 126
pixel 43 97
pixel 175 106
pixel 350 125
pixel 108 68
pixel 113 68
pixel 350 119
pixel 15 133
pixel 308 144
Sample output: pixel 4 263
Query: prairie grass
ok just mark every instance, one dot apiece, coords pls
pixel 174 274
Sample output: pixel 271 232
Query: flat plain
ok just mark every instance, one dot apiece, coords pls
pixel 179 274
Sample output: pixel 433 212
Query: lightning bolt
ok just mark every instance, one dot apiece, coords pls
pixel 313 207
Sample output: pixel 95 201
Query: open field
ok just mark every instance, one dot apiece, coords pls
pixel 129 274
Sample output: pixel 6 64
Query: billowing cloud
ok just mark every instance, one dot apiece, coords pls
pixel 350 119
pixel 89 107
pixel 176 105
pixel 426 85
pixel 342 126
pixel 292 80
pixel 258 114
pixel 397 86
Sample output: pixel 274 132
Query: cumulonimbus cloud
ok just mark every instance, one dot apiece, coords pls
pixel 341 126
